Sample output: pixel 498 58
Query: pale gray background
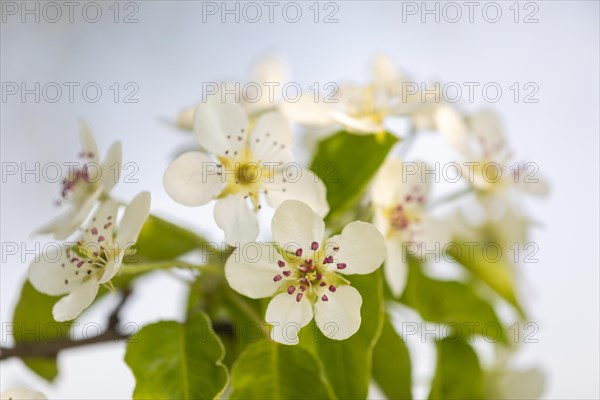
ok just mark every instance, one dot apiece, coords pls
pixel 170 51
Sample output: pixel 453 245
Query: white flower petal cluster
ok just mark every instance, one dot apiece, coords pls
pixel 84 186
pixel 399 203
pixel 239 166
pixel 304 272
pixel 78 269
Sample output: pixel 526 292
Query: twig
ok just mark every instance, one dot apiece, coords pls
pixel 51 349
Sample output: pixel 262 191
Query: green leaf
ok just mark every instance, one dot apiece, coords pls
pixel 497 274
pixel 171 360
pixel 162 240
pixel 268 370
pixel 237 320
pixel 346 163
pixel 391 364
pixel 458 374
pixel 453 303
pixel 348 362
pixel 34 323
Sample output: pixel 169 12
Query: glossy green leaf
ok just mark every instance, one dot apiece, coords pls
pixel 391 364
pixel 453 303
pixel 348 362
pixel 171 360
pixel 33 323
pixel 162 240
pixel 458 374
pixel 346 163
pixel 498 274
pixel 268 370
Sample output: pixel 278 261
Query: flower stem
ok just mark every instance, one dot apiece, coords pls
pixel 449 198
pixel 138 268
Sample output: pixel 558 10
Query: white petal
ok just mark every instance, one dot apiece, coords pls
pixel 238 220
pixel 271 139
pixel 295 225
pixel 100 228
pixel 19 393
pixel 185 118
pixel 414 182
pixel 300 184
pixel 220 126
pixel 539 188
pixel 361 248
pixel 269 68
pixel 133 219
pixel 384 70
pixel 358 126
pixel 192 179
pixel 386 185
pixel 287 316
pixel 53 273
pixel 339 316
pixel 306 111
pixel 395 269
pixel 70 306
pixel 88 143
pixel 67 223
pixel 111 167
pixel 453 128
pixel 251 268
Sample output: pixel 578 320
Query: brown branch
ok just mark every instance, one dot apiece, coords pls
pixel 51 349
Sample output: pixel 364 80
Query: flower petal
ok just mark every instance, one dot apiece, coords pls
pixel 221 127
pixel 308 112
pixel 53 273
pixel 133 219
pixel 271 139
pixel 361 248
pixel 304 186
pixel 192 179
pixel 339 317
pixel 251 268
pixel 70 306
pixel 234 215
pixel 185 118
pixel 100 228
pixel 453 128
pixel 111 167
pixel 287 317
pixel 395 269
pixel 387 183
pixel 295 225
pixel 67 223
pixel 88 143
pixel 19 393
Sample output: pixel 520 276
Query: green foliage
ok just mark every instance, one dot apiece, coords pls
pixel 451 302
pixel 161 240
pixel 177 361
pixel 34 323
pixel 391 364
pixel 497 274
pixel 348 362
pixel 458 374
pixel 267 370
pixel 346 163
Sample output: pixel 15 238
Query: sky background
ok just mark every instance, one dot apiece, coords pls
pixel 172 49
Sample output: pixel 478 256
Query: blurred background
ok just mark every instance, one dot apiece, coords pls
pixel 159 53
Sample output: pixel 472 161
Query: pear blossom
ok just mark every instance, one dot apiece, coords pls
pixel 241 164
pixel 20 393
pixel 304 272
pixel 363 109
pixel 502 381
pixel 480 140
pixel 267 72
pixel 399 201
pixel 78 269
pixel 85 185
